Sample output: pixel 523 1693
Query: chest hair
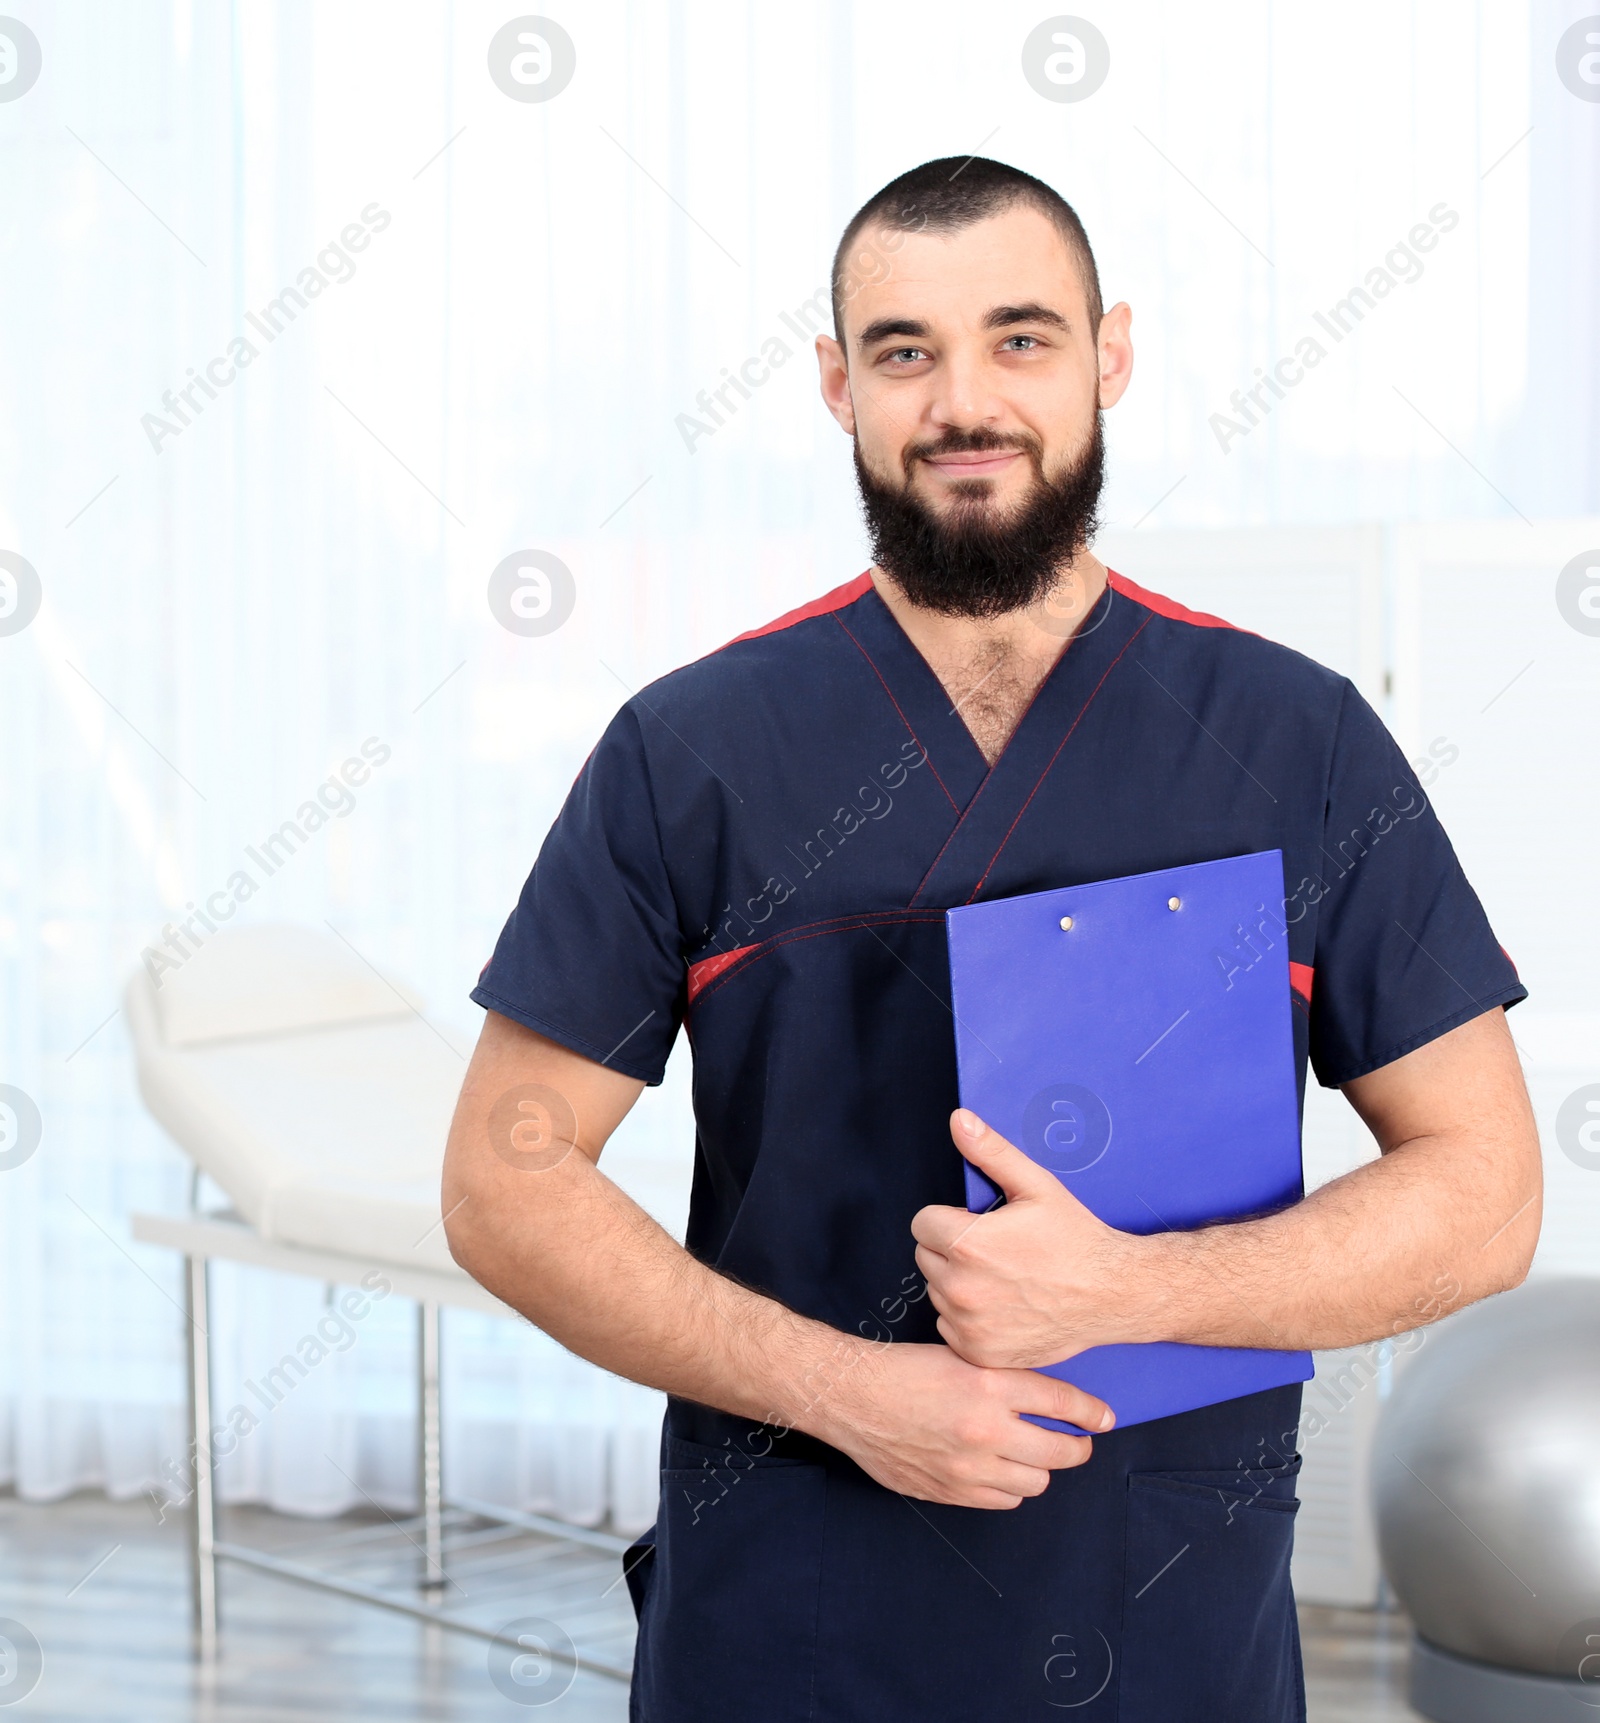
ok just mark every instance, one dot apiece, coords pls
pixel 990 691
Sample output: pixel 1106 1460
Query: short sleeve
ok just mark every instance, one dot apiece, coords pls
pixel 592 955
pixel 1404 952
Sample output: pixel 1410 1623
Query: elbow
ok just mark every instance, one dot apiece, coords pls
pixel 1509 1269
pixel 1519 1239
pixel 462 1207
pixel 1517 1264
pixel 457 1236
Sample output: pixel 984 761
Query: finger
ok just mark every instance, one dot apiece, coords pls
pixel 939 1227
pixel 993 1500
pixel 950 1492
pixel 952 1331
pixel 1012 1478
pixel 1045 1396
pixel 1052 1450
pixel 1003 1162
pixel 936 1295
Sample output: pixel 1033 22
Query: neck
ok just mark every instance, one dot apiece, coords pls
pixel 992 666
pixel 1038 633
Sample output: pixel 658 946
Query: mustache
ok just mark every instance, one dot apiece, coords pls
pixel 979 440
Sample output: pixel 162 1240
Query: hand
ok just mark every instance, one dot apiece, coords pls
pixel 921 1421
pixel 1034 1282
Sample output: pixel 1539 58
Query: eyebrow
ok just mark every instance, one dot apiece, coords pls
pixel 886 326
pixel 1001 317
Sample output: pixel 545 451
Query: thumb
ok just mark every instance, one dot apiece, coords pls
pixel 1003 1162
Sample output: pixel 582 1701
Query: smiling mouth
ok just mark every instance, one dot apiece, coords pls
pixel 974 464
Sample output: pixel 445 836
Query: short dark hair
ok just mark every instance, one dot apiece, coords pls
pixel 954 192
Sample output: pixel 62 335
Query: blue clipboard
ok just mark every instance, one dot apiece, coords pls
pixel 1144 1053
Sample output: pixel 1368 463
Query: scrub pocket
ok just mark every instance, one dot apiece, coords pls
pixel 728 1602
pixel 1209 1630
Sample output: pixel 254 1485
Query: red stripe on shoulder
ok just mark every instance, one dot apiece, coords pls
pixel 838 599
pixel 1300 975
pixel 1162 605
pixel 709 968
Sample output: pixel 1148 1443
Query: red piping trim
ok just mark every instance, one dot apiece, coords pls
pixel 903 718
pixel 954 833
pixel 839 599
pixel 1163 606
pixel 1055 756
pixel 817 930
pixel 709 968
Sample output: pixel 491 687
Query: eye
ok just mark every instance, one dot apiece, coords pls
pixel 905 355
pixel 1032 341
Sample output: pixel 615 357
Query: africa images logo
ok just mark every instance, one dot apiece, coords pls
pixel 333 267
pixel 20 59
pixel 335 799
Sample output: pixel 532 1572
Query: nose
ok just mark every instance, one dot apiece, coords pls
pixel 964 398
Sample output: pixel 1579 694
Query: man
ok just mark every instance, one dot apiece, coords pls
pixel 856 1522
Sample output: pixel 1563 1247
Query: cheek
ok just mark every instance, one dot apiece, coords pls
pixel 1065 419
pixel 1058 411
pixel 881 443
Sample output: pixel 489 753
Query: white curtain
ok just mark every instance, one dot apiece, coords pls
pixel 510 309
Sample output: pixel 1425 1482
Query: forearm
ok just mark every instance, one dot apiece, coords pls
pixel 582 1261
pixel 1434 1224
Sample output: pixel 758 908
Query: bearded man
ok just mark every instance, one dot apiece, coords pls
pixel 859 1518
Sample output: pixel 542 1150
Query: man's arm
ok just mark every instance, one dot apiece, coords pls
pixel 536 1222
pixel 1447 1215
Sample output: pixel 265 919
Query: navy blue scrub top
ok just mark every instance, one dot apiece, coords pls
pixel 762 847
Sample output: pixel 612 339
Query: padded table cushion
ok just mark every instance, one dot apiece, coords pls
pixel 330 1136
pixel 267 979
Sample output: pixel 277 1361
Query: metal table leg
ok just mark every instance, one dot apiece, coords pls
pixel 196 1238
pixel 430 1479
pixel 202 1522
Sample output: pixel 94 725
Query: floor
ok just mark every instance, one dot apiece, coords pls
pixel 104 1588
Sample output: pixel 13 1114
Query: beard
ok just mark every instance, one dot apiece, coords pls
pixel 969 560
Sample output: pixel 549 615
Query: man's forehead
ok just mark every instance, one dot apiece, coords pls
pixel 961 276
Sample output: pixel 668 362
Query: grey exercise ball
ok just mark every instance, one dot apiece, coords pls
pixel 1486 1482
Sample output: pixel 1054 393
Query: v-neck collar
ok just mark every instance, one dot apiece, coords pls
pixel 987 801
pixel 919 696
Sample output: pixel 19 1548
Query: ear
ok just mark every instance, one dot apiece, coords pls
pixel 834 375
pixel 1114 351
